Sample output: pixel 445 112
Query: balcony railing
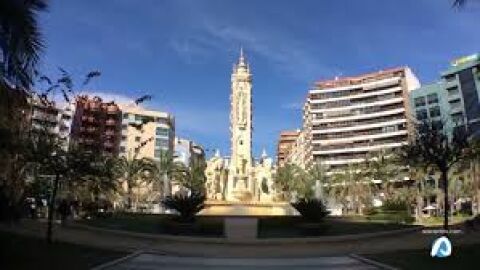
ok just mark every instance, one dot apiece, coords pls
pixel 111 122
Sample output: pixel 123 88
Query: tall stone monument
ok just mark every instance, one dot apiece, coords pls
pixel 240 178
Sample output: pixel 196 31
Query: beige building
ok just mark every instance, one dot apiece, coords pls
pixel 153 129
pixel 347 118
pixel 240 177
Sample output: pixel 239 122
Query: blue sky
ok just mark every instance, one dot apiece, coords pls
pixel 182 51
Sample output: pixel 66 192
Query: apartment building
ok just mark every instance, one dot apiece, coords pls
pixel 54 119
pixel 285 143
pixel 347 118
pixel 96 125
pixel 188 152
pixel 151 132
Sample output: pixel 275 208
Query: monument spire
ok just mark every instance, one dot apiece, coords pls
pixel 241 60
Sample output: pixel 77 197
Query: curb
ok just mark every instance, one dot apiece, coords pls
pixel 372 262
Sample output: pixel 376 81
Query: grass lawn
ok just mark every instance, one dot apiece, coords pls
pixel 21 252
pixel 464 257
pixel 275 227
pixel 161 224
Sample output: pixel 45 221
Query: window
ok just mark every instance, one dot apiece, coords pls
pixel 138 117
pixel 452 91
pixel 422 114
pixel 122 149
pixel 432 98
pixel 451 77
pixel 124 127
pixel 437 125
pixel 137 139
pixel 157 154
pixel 161 131
pixel 455 104
pixel 124 137
pixel 161 143
pixel 435 111
pixel 125 116
pixel 419 101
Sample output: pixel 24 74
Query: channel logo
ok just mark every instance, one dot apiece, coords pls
pixel 441 248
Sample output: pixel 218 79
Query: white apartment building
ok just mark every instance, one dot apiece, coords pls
pixel 347 118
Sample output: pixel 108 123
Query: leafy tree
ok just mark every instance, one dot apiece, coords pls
pixel 433 149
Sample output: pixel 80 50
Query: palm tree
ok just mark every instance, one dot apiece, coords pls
pixel 164 167
pixel 318 176
pixel 381 167
pixel 351 188
pixel 192 177
pixel 21 40
pixel 131 170
pixel 286 180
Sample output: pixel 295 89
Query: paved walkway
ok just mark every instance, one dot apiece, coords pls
pixel 150 261
pixel 131 243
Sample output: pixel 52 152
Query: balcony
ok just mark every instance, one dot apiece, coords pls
pixel 110 133
pixel 108 144
pixel 111 122
pixel 91 129
pixel 112 109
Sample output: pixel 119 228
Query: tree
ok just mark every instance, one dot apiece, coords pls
pixel 164 168
pixel 293 182
pixel 382 167
pixel 21 40
pixel 351 187
pixel 318 177
pixel 192 177
pixel 434 149
pixel 131 170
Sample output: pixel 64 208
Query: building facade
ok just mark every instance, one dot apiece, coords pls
pixel 285 143
pixel 462 86
pixel 240 178
pixel 151 132
pixel 96 125
pixel 348 118
pixel 188 152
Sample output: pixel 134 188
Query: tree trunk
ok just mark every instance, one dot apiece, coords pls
pixel 51 208
pixel 446 203
pixel 166 186
pixel 129 196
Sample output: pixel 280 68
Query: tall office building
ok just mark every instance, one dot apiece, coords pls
pixel 462 86
pixel 453 101
pixel 153 129
pixel 348 118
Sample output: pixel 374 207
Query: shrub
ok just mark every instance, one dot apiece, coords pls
pixel 311 209
pixel 187 205
pixel 395 205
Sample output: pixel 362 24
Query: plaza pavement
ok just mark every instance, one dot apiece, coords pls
pixel 175 254
pixel 152 261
